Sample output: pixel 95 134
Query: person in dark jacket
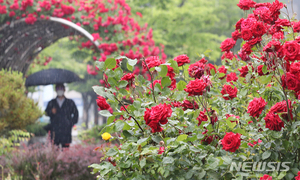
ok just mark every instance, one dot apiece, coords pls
pixel 63 115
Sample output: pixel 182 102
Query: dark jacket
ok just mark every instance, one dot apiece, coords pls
pixel 63 121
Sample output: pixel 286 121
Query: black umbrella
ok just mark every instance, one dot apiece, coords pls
pixel 52 76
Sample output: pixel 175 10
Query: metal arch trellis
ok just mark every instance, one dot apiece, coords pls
pixel 20 42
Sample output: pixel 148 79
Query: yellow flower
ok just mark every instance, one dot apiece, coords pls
pixel 106 136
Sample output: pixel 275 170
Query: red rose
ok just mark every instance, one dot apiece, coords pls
pixel 231 115
pixel 292 82
pixel 155 82
pixel 223 70
pixel 281 107
pixel 182 59
pixel 170 73
pixel 228 55
pixel 227 89
pixel 196 87
pixel 266 177
pixel 259 70
pixel 298 177
pixel 3 9
pixel 295 68
pixel 156 116
pixel 290 51
pixel 263 13
pixel 31 19
pixel 244 71
pixel 273 122
pixel 256 106
pixel 247 48
pixel 247 34
pixel 231 142
pixel 296 26
pixel 227 44
pixel 152 61
pixel 196 70
pixel 244 56
pixel 236 35
pixel 207 139
pixel 272 46
pixel 176 104
pixel 209 68
pixel 258 29
pixel 102 104
pixel 246 4
pixel 188 105
pixel 202 117
pixel 238 24
pixel 254 143
pixel 231 77
pixel 248 23
pixel 130 78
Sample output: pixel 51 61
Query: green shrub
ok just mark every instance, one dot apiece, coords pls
pixel 37 129
pixel 16 110
pixel 91 135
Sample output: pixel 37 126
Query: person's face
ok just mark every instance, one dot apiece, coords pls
pixel 60 91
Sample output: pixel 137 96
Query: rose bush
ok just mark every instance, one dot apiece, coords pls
pixel 206 122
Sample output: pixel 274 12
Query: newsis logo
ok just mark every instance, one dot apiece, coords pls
pixel 259 166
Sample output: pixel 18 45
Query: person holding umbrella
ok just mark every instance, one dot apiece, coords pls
pixel 63 115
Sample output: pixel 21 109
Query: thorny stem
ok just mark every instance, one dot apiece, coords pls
pixel 129 114
pixel 151 79
pixel 290 21
pixel 286 99
pixel 204 108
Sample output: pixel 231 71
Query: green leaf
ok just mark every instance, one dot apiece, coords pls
pixel 168 160
pixel 110 119
pixel 131 62
pixel 118 73
pixel 181 137
pixel 112 81
pixel 122 84
pixel 281 175
pixel 166 81
pixel 110 73
pixel 141 79
pixel 240 131
pixel 174 65
pixel 99 90
pixel 143 162
pixel 156 139
pixel 181 85
pixel 221 75
pixel 100 65
pixel 127 133
pixel 164 70
pixel 119 126
pixel 110 63
pixel 265 79
pixel 111 152
pixel 137 104
pixel 130 68
pixel 105 113
pixel 265 69
pixel 266 155
pixel 141 141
